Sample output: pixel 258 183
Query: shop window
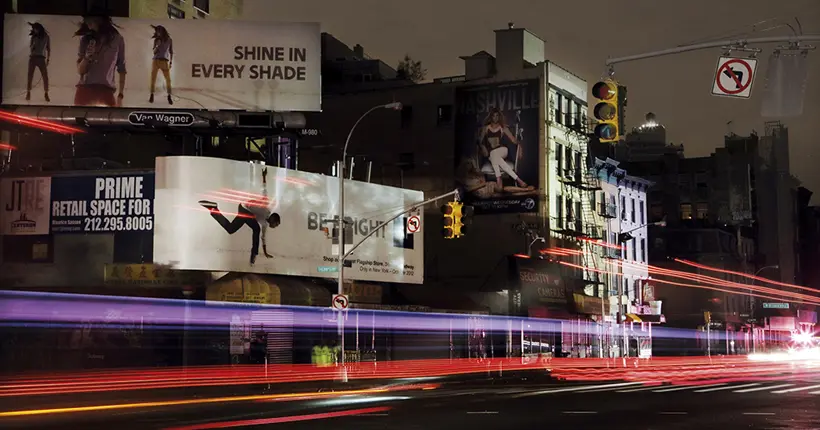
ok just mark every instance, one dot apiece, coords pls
pixel 685 211
pixel 702 210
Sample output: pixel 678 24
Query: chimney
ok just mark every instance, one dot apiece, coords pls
pixel 358 51
pixel 517 49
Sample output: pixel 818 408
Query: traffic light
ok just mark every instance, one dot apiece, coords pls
pixel 449 221
pixel 457 217
pixel 607 110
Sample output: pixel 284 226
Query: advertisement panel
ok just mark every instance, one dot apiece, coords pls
pixel 142 63
pixel 110 203
pixel 224 215
pixel 25 206
pixel 497 146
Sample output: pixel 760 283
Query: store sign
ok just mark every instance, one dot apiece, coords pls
pixel 540 282
pixel 146 275
pixel 102 203
pixel 24 206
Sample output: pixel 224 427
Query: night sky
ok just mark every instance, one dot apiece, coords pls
pixel 676 88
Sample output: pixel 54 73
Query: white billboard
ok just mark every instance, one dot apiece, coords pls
pixel 231 216
pixel 156 63
pixel 24 206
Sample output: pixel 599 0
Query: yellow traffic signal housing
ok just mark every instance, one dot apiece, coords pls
pixel 607 110
pixel 457 217
pixel 449 231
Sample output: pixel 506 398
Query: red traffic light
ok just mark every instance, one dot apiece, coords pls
pixel 604 90
pixel 447 209
pixel 606 131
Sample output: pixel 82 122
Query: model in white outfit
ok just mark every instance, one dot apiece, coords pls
pixel 493 131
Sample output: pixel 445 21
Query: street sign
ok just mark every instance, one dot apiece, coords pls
pixel 775 306
pixel 413 224
pixel 734 77
pixel 340 302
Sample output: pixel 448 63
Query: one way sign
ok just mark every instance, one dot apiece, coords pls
pixel 734 77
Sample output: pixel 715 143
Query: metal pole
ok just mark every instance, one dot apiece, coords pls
pixel 341 228
pixel 340 173
pixel 369 170
pixel 715 44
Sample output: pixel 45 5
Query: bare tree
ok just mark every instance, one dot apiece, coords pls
pixel 411 70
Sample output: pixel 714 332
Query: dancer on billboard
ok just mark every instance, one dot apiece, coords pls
pixel 39 56
pixel 476 184
pixel 163 59
pixel 254 213
pixel 493 130
pixel 101 54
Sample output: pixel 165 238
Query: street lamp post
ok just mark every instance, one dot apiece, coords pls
pixel 340 172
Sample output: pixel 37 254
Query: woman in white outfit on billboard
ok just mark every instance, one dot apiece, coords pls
pixel 493 131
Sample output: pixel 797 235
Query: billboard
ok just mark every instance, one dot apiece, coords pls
pixel 224 215
pixel 24 206
pixel 497 138
pixel 110 203
pixel 155 63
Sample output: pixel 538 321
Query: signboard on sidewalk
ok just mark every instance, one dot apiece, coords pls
pixel 734 77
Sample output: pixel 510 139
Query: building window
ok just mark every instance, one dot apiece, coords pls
pixel 632 203
pixel 559 158
pixel 175 12
pixel 578 120
pixel 578 165
pixel 642 207
pixel 643 251
pixel 623 208
pixel 559 210
pixel 406 116
pixel 568 113
pixel 203 5
pixel 570 215
pixel 686 211
pixel 702 210
pixel 568 156
pixel 445 114
pixel 559 105
pixel 634 250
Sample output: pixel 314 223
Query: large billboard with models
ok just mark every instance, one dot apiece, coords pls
pixel 223 215
pixel 144 63
pixel 497 137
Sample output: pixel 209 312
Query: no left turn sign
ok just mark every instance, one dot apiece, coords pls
pixel 413 224
pixel 734 77
pixel 340 302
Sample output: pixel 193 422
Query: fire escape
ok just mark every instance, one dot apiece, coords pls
pixel 580 227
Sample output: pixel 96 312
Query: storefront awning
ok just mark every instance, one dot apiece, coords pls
pixel 633 318
pixel 651 318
